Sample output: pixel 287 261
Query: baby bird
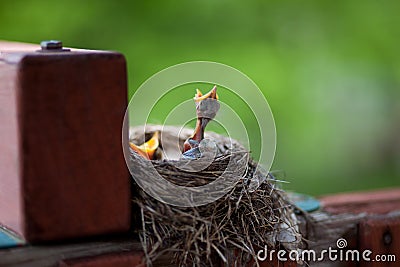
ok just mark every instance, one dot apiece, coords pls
pixel 150 149
pixel 207 107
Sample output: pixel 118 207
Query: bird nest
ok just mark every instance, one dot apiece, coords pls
pixel 252 212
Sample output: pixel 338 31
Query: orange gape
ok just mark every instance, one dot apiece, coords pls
pixel 147 149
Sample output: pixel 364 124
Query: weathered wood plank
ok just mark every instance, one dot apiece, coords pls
pixel 377 202
pixel 326 229
pixel 52 255
pixel 382 236
pixel 7 46
pixel 120 259
pixel 348 216
pixel 10 200
pixel 62 170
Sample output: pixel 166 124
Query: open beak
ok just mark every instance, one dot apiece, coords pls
pixel 198 135
pixel 148 149
pixel 212 94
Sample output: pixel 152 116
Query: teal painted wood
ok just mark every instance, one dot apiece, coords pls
pixel 9 239
pixel 305 202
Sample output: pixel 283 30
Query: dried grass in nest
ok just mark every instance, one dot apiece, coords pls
pixel 254 213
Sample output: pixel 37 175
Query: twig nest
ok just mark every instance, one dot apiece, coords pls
pixel 251 212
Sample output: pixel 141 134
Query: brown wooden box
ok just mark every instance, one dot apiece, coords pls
pixel 62 171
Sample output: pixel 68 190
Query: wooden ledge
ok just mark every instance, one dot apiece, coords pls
pixel 362 224
pixel 373 202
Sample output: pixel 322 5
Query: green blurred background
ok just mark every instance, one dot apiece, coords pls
pixel 329 69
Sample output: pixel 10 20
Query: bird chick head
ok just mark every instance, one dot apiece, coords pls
pixel 148 149
pixel 207 105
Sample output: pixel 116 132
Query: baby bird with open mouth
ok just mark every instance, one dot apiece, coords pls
pixel 207 107
pixel 195 146
pixel 150 149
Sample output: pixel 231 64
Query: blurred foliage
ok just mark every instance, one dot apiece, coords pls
pixel 329 69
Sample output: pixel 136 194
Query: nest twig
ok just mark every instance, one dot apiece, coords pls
pixel 252 214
